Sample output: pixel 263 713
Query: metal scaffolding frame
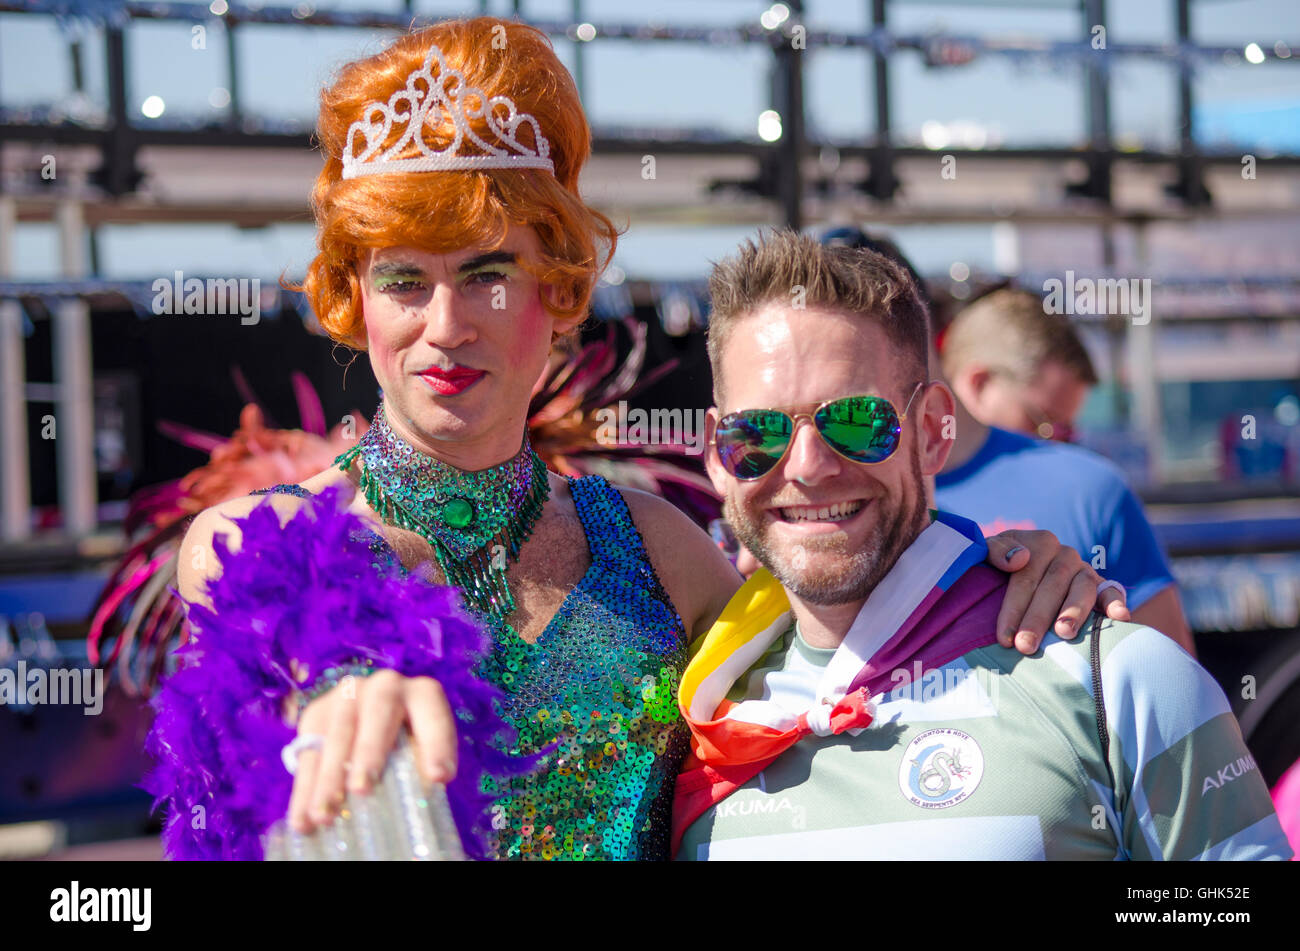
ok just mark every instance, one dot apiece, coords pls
pixel 782 178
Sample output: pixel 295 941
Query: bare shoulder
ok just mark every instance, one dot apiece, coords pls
pixel 220 519
pixel 197 562
pixel 696 574
pixel 654 510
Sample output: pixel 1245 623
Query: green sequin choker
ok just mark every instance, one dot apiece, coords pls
pixel 475 521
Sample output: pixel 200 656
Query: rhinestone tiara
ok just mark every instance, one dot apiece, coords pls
pixel 431 100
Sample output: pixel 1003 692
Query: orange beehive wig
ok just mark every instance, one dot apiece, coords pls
pixel 442 212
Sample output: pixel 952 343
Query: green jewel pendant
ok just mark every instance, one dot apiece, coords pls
pixel 470 519
pixel 458 513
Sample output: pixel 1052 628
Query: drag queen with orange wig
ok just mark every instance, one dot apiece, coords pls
pixel 455 250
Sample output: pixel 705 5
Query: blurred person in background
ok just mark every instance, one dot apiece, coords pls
pixel 1017 368
pixel 1006 480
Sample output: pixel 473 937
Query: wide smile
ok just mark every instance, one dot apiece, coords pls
pixel 818 519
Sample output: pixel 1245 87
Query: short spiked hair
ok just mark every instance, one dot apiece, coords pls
pixel 783 265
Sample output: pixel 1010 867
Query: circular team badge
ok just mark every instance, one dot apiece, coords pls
pixel 940 768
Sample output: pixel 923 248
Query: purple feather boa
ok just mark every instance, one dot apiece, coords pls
pixel 304 591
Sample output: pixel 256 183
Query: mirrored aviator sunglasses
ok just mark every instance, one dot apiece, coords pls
pixel 751 442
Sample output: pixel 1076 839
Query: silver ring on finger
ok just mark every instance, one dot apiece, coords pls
pixel 1106 585
pixel 300 743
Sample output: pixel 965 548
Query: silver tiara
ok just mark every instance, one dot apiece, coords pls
pixel 429 100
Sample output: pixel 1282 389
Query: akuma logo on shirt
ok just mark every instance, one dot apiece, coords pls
pixel 765 806
pixel 1228 773
pixel 940 768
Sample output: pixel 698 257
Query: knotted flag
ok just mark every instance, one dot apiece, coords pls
pixel 935 604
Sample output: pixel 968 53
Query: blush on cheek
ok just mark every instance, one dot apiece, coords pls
pixel 533 319
pixel 382 362
pixel 381 350
pixel 531 333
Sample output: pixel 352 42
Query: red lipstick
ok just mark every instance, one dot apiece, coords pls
pixel 458 379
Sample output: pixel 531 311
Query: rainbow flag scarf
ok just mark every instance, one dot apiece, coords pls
pixel 937 603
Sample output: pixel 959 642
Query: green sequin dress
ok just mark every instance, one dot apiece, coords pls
pixel 600 683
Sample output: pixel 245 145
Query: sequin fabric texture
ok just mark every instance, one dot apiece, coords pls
pixel 598 692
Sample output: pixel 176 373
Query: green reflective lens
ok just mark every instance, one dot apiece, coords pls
pixel 863 428
pixel 751 442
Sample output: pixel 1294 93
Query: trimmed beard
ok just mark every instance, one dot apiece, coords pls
pixel 866 567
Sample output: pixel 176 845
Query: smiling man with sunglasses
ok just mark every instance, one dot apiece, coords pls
pixel 854 699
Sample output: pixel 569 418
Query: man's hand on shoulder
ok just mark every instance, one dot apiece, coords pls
pixel 1051 588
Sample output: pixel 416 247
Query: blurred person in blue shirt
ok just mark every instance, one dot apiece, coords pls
pixel 1017 368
